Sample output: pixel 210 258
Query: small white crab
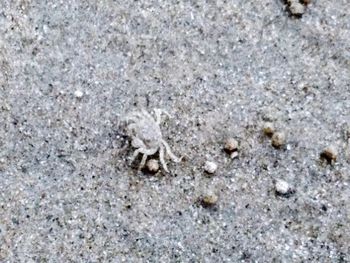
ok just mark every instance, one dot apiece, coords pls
pixel 146 136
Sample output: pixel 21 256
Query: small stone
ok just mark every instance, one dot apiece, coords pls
pixel 329 154
pixel 282 187
pixel 209 200
pixel 152 165
pixel 234 155
pixel 296 8
pixel 78 94
pixel 210 167
pixel 278 139
pixel 268 129
pixel 231 145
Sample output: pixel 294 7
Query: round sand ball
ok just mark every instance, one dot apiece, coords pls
pixel 278 139
pixel 78 94
pixel 329 154
pixel 231 145
pixel 282 187
pixel 152 165
pixel 296 8
pixel 209 200
pixel 210 167
pixel 268 129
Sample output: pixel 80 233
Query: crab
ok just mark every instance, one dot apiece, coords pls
pixel 147 138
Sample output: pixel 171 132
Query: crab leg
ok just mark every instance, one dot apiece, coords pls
pixel 172 156
pixel 135 155
pixel 132 126
pixel 145 154
pixel 158 113
pixel 166 113
pixel 161 158
pixel 143 161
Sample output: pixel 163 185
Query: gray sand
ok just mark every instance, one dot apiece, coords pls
pixel 221 68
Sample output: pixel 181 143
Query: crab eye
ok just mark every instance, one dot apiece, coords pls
pixel 147 140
